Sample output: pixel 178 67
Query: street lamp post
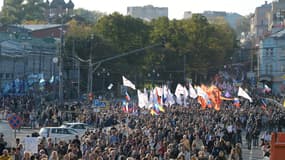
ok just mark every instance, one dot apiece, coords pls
pixel 60 74
pixel 77 64
pixel 78 80
pixel 90 68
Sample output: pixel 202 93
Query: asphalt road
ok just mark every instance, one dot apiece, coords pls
pixel 10 134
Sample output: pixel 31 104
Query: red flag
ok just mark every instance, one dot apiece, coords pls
pixel 158 97
pixel 236 102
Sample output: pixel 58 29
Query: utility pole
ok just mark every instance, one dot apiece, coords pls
pixel 93 66
pixel 90 66
pixel 60 74
pixel 184 68
pixel 78 69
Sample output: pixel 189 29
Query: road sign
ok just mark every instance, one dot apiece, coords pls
pixel 98 103
pixel 14 121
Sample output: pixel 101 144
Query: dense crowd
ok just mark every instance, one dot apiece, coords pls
pixel 179 133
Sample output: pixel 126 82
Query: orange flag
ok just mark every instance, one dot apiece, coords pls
pixel 202 101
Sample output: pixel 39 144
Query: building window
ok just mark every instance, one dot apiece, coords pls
pixel 266 52
pixel 1 76
pixel 270 69
pixel 282 68
pixel 271 51
pixel 7 75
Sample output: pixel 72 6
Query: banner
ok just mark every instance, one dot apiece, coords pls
pixel 128 83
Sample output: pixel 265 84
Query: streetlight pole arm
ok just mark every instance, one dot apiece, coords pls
pixel 96 67
pixel 126 53
pixel 80 59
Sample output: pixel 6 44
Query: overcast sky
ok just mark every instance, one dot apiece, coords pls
pixel 176 8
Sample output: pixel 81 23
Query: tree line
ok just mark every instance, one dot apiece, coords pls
pixel 192 48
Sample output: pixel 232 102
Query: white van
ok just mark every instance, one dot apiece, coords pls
pixel 78 126
pixel 58 133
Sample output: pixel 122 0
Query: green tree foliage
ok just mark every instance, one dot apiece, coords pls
pixel 164 58
pixel 11 12
pixel 205 46
pixel 125 34
pixel 86 16
pixel 34 10
pixel 20 11
pixel 80 34
pixel 243 25
pixel 81 41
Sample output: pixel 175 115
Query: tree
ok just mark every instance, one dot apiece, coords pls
pixel 198 31
pixel 209 44
pixel 81 40
pixel 28 12
pixel 124 33
pixel 243 25
pixel 222 43
pixel 11 12
pixel 204 46
pixel 34 10
pixel 86 16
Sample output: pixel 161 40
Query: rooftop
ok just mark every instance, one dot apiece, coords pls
pixel 279 34
pixel 35 27
pixel 10 45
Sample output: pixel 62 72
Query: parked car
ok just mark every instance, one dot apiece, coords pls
pixel 58 133
pixel 79 127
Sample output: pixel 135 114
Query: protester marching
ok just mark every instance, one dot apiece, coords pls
pixel 199 122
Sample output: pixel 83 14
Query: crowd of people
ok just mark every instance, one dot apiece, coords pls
pixel 178 133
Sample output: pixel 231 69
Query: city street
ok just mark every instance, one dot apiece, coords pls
pixel 9 133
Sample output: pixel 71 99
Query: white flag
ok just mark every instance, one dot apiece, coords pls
pixel 110 86
pixel 202 93
pixel 243 94
pixel 141 101
pixel 169 99
pixel 185 93
pixel 179 90
pixel 192 91
pixel 151 99
pixel 128 83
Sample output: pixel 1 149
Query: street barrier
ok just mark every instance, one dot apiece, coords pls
pixel 277 146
